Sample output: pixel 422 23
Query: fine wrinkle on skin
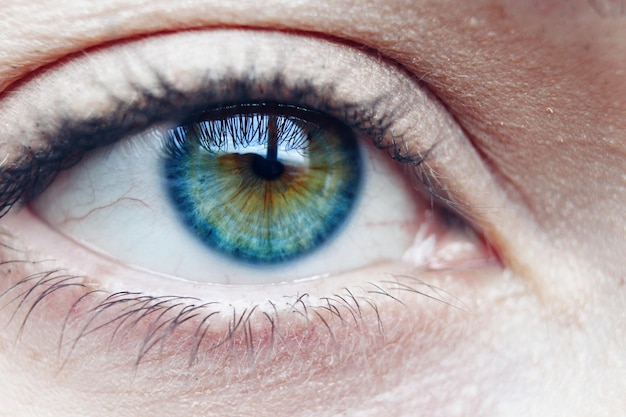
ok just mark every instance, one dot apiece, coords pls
pixel 23 52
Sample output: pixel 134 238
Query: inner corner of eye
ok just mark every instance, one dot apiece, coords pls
pixel 250 193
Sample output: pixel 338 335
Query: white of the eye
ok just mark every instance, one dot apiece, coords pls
pixel 115 201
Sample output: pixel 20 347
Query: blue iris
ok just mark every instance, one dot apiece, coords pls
pixel 263 183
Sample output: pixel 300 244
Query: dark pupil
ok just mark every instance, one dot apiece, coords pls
pixel 268 169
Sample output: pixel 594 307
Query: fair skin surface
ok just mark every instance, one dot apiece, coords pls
pixel 536 92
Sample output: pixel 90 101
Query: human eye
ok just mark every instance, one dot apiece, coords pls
pixel 125 259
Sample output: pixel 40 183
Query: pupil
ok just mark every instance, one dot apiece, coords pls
pixel 268 169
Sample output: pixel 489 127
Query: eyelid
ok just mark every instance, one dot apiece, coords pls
pixel 206 336
pixel 368 94
pixel 50 122
pixel 455 174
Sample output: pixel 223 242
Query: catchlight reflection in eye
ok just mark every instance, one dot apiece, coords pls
pixel 263 183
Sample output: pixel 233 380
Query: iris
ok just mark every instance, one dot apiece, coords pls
pixel 263 183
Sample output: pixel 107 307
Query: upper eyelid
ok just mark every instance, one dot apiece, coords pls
pixel 415 124
pixel 98 312
pixel 61 133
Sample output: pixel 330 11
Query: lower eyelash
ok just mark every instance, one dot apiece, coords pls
pixel 159 319
pixel 205 334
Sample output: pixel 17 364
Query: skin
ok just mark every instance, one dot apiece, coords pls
pixel 537 89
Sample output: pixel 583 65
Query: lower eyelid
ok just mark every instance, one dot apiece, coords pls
pixel 112 275
pixel 219 339
pixel 277 335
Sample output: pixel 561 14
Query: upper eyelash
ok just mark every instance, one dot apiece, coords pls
pixel 244 131
pixel 29 174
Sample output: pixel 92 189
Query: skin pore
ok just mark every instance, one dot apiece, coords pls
pixel 534 92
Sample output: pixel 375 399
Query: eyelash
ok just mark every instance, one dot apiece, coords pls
pixel 33 171
pixel 162 316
